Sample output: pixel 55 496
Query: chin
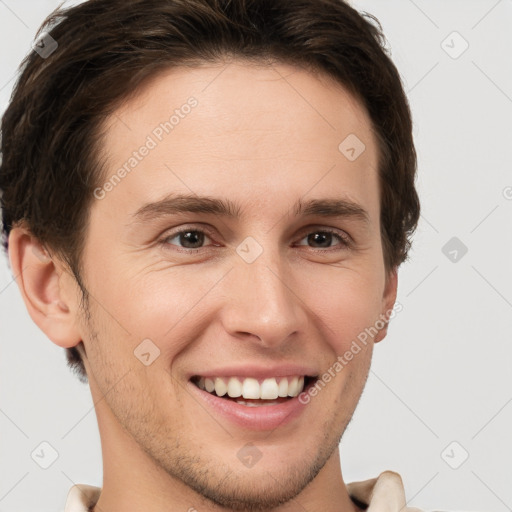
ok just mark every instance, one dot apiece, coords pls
pixel 256 490
pixel 278 477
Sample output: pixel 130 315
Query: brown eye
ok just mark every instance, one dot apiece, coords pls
pixel 325 238
pixel 187 239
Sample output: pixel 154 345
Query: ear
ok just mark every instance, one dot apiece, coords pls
pixel 388 301
pixel 46 288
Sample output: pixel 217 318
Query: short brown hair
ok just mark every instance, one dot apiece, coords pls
pixel 107 48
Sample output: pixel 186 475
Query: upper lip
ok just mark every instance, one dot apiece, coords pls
pixel 258 371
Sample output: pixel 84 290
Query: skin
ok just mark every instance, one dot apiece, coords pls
pixel 263 136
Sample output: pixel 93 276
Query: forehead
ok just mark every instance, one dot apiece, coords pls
pixel 233 96
pixel 251 124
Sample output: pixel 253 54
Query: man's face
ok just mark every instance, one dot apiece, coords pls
pixel 266 293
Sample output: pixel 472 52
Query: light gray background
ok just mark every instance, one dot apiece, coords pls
pixel 443 374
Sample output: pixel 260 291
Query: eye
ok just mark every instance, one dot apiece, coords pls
pixel 191 239
pixel 325 237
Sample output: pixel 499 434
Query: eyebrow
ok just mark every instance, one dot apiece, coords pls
pixel 183 203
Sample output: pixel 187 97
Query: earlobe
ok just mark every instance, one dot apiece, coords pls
pixel 44 287
pixel 388 302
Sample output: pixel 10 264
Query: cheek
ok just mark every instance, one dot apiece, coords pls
pixel 347 305
pixel 163 309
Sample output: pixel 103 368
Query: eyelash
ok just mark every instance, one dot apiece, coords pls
pixel 346 241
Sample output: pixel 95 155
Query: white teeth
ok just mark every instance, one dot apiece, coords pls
pixel 283 388
pixel 234 387
pixel 209 385
pixel 269 389
pixel 250 388
pixel 295 386
pixel 220 387
pixel 292 386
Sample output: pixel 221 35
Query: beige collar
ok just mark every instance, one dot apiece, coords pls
pixel 382 494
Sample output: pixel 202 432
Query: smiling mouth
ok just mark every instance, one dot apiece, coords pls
pixel 254 392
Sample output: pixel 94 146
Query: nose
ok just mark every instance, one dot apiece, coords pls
pixel 262 304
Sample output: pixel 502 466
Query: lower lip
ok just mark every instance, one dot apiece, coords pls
pixel 263 417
